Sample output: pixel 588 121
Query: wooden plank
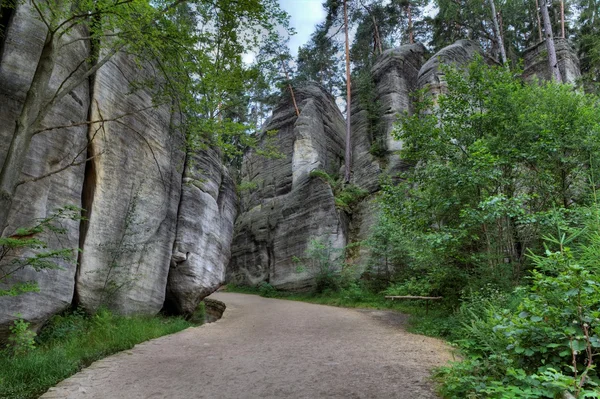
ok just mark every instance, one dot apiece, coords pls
pixel 413 297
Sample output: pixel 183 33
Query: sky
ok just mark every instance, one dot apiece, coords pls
pixel 304 15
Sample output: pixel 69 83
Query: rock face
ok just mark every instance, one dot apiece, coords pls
pixel 140 216
pixel 536 62
pixel 49 151
pixel 285 208
pixel 460 53
pixel 394 79
pixel 136 175
pixel 375 150
pixel 202 247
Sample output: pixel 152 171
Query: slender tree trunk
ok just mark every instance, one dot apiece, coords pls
pixel 26 125
pixel 411 37
pixel 348 156
pixel 377 37
pixel 562 18
pixel 552 60
pixel 499 38
pixel 539 21
pixel 287 77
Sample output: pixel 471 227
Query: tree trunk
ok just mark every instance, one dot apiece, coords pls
pixel 287 76
pixel 26 125
pixel 377 38
pixel 348 156
pixel 411 36
pixel 499 38
pixel 562 17
pixel 552 60
pixel 539 21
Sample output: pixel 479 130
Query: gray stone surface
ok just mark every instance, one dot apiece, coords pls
pixel 536 62
pixel 136 181
pixel 394 77
pixel 131 189
pixel 288 208
pixel 49 151
pixel 204 232
pixel 460 53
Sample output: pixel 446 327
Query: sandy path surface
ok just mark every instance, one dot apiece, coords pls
pixel 269 348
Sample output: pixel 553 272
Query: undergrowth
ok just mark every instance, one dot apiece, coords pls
pixel 70 342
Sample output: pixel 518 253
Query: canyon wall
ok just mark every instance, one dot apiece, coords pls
pixel 157 225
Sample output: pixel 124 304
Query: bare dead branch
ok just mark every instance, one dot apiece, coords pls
pixel 99 121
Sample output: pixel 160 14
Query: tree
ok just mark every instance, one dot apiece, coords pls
pixel 319 60
pixel 552 60
pixel 348 153
pixel 200 64
pixel 496 163
pixel 497 34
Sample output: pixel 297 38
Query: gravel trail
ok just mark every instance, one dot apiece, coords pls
pixel 270 348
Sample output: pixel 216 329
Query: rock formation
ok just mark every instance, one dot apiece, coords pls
pixel 49 151
pixel 136 178
pixel 159 228
pixel 460 53
pixel 140 217
pixel 536 62
pixel 375 149
pixel 286 207
pixel 204 232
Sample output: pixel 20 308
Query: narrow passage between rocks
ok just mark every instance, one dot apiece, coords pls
pixel 270 348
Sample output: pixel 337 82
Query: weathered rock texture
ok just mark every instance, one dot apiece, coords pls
pixel 375 149
pixel 139 216
pixel 458 54
pixel 287 208
pixel 536 62
pixel 49 151
pixel 204 232
pixel 136 178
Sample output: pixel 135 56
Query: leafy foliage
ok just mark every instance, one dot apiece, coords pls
pixel 544 346
pixel 497 164
pixel 28 248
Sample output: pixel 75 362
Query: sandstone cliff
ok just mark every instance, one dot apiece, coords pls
pixel 143 210
pixel 286 207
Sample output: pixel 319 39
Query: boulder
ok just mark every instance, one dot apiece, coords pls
pixel 205 220
pixel 284 208
pixel 49 151
pixel 133 187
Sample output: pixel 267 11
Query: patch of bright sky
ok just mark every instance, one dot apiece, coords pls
pixel 304 15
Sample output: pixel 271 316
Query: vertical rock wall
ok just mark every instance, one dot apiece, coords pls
pixel 49 151
pixel 536 62
pixel 375 149
pixel 126 249
pixel 131 189
pixel 286 208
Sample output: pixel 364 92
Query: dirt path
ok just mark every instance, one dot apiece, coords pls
pixel 269 348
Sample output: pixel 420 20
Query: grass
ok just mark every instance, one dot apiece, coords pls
pixel 439 321
pixel 73 341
